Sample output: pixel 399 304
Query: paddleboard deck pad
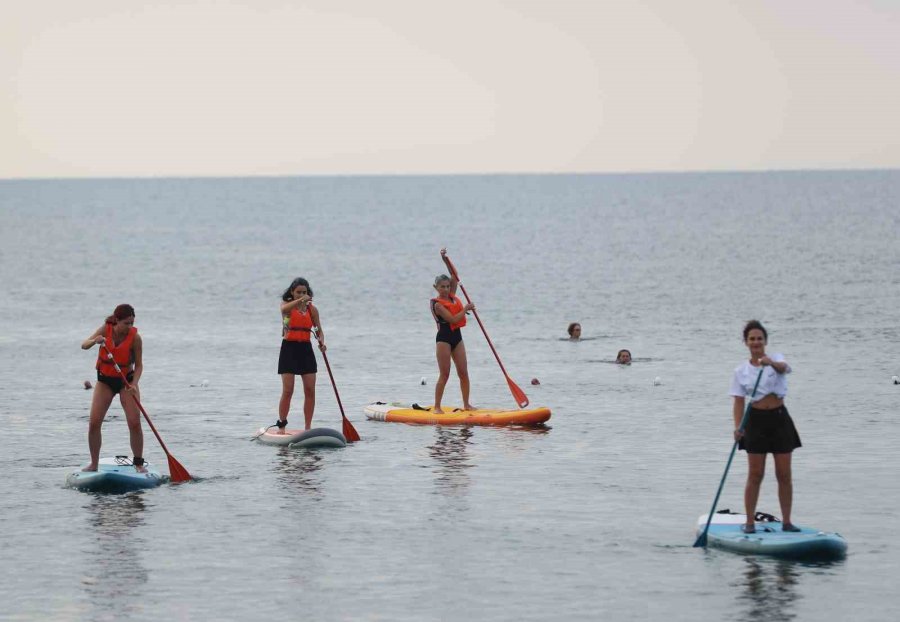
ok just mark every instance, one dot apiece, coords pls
pixel 115 475
pixel 405 413
pixel 316 437
pixel 807 544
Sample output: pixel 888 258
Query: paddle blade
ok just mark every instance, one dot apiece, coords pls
pixel 701 540
pixel 349 431
pixel 517 393
pixel 177 472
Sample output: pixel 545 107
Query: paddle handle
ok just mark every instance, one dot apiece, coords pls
pixel 518 394
pixel 701 539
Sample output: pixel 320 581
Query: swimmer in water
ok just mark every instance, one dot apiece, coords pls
pixel 623 357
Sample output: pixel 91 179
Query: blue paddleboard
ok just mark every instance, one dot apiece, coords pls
pixel 115 475
pixel 317 437
pixel 806 545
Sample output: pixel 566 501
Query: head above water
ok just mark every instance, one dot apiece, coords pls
pixel 122 312
pixel 624 357
pixel 755 325
pixel 574 330
pixel 301 283
pixel 443 285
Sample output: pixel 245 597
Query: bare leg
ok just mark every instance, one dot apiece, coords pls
pixel 100 402
pixel 785 486
pixel 442 351
pixel 309 398
pixel 287 392
pixel 133 417
pixel 756 471
pixel 462 370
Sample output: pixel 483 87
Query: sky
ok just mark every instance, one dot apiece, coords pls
pixel 121 88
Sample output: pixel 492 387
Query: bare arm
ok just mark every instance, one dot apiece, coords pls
pixel 454 282
pixel 452 318
pixel 300 304
pixel 137 347
pixel 317 325
pixel 94 339
pixel 779 366
pixel 738 415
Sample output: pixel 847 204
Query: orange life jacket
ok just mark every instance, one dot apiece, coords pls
pixel 298 326
pixel 454 306
pixel 121 353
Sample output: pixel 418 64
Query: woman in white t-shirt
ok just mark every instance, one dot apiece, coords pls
pixel 769 428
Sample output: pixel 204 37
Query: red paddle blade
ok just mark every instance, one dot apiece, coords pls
pixel 517 393
pixel 177 472
pixel 350 432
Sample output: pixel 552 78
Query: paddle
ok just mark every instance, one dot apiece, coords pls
pixel 348 430
pixel 701 539
pixel 517 393
pixel 177 473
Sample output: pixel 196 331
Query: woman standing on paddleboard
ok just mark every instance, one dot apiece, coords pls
pixel 450 315
pixel 769 428
pixel 299 319
pixel 119 337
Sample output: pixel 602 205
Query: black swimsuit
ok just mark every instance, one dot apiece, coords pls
pixel 445 334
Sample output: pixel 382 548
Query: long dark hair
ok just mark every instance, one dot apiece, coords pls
pixel 755 324
pixel 288 295
pixel 123 311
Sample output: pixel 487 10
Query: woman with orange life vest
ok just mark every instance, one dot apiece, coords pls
pixel 450 315
pixel 299 318
pixel 118 336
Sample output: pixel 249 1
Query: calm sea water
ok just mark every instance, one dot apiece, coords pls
pixel 591 518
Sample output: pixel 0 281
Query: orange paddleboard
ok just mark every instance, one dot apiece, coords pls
pixel 403 413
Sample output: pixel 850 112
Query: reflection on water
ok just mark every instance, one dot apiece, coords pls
pixel 450 452
pixel 298 468
pixel 115 573
pixel 769 589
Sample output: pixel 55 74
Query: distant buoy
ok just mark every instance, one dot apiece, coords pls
pixel 657 381
pixel 88 385
pixel 423 381
pixel 204 383
pixel 896 379
pixel 535 381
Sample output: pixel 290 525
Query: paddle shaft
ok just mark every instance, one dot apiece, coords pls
pixel 701 539
pixel 350 432
pixel 518 394
pixel 171 458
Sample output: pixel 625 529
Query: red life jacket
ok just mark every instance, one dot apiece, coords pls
pixel 298 326
pixel 454 306
pixel 122 353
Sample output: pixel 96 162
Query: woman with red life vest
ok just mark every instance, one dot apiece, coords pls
pixel 299 318
pixel 119 337
pixel 450 315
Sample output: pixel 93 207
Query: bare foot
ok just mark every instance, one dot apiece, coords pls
pixel 140 468
pixel 437 410
pixel 89 468
pixel 469 407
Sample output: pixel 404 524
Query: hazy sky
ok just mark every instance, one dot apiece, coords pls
pixel 263 87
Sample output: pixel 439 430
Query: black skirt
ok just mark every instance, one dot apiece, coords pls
pixel 769 432
pixel 297 358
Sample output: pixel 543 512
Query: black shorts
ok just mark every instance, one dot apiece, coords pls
pixel 769 432
pixel 114 382
pixel 297 357
pixel 445 335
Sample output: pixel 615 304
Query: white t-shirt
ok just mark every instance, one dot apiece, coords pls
pixel 745 376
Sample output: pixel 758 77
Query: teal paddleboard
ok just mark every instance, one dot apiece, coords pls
pixel 115 475
pixel 807 544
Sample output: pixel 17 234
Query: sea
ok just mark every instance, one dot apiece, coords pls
pixel 591 517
